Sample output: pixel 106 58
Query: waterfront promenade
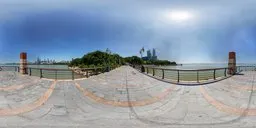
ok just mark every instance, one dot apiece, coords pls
pixel 124 97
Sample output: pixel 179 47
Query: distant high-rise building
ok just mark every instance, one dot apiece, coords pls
pixel 154 57
pixel 149 55
pixel 38 61
pixel 154 52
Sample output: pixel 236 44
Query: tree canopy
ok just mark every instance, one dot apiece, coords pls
pixel 103 59
pixel 97 58
pixel 134 60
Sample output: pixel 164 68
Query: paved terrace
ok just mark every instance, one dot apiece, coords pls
pixel 125 98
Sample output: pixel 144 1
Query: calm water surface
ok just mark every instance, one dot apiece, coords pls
pixel 206 66
pixel 43 66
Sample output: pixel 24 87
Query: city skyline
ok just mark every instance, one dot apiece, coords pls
pixel 185 32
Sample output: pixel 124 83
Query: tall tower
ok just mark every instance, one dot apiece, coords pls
pixel 149 55
pixel 232 63
pixel 23 63
pixel 154 52
pixel 154 57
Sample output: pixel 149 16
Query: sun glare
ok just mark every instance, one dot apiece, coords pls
pixel 179 16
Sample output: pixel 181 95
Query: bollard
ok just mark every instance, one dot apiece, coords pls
pixel 214 74
pixel 142 69
pixel 178 76
pixel 41 74
pixel 30 71
pixel 163 74
pixel 197 76
pixel 73 75
pixel 87 74
pixel 55 74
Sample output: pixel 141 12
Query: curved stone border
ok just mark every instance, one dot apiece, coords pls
pixel 241 87
pixel 15 87
pixel 98 99
pixel 8 78
pixel 29 107
pixel 240 78
pixel 64 80
pixel 225 108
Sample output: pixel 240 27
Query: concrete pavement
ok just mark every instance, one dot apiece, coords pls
pixel 125 98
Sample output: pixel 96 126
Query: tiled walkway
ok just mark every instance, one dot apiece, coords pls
pixel 125 98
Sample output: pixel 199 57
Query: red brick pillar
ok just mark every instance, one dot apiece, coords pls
pixel 232 63
pixel 23 63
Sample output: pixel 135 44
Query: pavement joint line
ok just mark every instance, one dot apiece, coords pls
pixel 17 87
pixel 242 87
pixel 98 99
pixel 29 107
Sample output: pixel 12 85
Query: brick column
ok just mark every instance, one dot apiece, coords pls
pixel 232 63
pixel 23 63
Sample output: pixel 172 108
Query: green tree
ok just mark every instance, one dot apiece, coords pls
pixel 135 60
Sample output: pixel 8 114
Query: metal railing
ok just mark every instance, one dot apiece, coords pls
pixel 194 75
pixel 10 68
pixel 60 74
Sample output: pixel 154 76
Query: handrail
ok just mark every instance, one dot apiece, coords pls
pixel 187 69
pixel 58 73
pixel 59 69
pixel 204 69
pixel 188 75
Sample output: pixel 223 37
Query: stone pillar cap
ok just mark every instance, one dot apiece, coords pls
pixel 23 55
pixel 232 55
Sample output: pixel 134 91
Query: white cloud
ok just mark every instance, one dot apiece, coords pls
pixel 181 40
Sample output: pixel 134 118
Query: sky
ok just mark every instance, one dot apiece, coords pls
pixel 185 31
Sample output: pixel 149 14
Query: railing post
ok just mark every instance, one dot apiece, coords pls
pixel 87 74
pixel 73 75
pixel 55 74
pixel 163 74
pixel 197 76
pixel 30 72
pixel 153 71
pixel 225 72
pixel 178 76
pixel 214 74
pixel 41 75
